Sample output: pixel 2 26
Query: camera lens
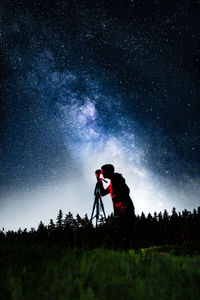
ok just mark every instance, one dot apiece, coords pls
pixel 97 172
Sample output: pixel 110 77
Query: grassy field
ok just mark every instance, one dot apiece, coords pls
pixel 44 272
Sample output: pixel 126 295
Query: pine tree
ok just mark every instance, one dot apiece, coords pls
pixel 19 231
pixel 185 214
pixel 78 221
pixel 165 216
pixel 174 215
pixel 41 227
pixel 195 214
pixel 86 223
pixel 51 225
pixel 198 209
pixel 142 217
pixel 59 219
pixel 160 217
pixel 149 217
pixel 69 221
pixel 155 217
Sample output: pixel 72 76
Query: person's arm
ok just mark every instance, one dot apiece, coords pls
pixel 103 191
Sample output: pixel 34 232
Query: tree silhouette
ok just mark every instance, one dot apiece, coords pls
pixel 59 220
pixel 160 229
pixel 69 222
pixel 51 225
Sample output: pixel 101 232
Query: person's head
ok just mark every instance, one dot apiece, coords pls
pixel 108 171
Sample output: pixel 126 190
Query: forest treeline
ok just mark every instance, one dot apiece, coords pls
pixel 149 230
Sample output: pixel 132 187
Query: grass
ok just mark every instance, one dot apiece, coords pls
pixel 44 272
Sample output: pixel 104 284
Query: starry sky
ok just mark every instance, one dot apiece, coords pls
pixel 85 83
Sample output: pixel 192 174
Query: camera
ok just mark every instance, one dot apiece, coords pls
pixel 98 172
pixel 100 177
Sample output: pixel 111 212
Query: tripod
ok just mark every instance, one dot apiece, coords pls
pixel 98 204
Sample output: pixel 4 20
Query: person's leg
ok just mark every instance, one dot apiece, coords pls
pixel 127 230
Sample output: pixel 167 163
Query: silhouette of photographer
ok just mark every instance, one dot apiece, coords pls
pixel 122 203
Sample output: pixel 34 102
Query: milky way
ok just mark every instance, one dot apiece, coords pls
pixel 84 85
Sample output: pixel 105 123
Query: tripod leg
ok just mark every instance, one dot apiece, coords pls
pixel 97 215
pixel 98 205
pixel 101 202
pixel 93 209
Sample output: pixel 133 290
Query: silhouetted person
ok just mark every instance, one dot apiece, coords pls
pixel 122 203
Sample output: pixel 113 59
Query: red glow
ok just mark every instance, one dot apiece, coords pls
pixel 117 205
pixel 101 175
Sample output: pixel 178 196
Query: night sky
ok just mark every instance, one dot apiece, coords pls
pixel 85 83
